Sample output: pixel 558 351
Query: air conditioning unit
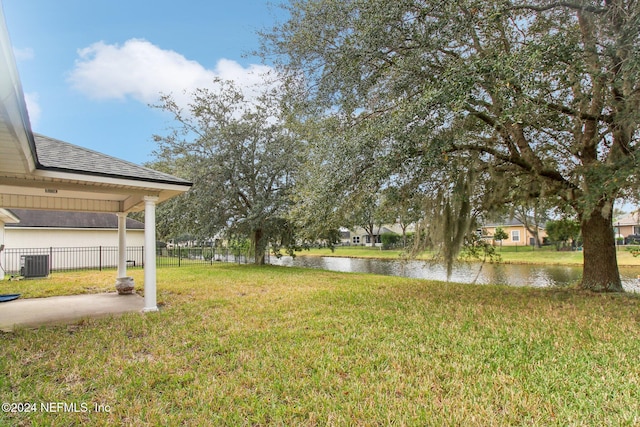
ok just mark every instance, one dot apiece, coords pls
pixel 34 266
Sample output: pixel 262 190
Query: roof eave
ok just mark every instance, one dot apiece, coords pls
pixel 13 102
pixel 8 218
pixel 60 172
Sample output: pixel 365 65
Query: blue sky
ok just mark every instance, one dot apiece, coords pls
pixel 89 68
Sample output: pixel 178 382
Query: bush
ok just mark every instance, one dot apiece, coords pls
pixel 562 231
pixel 390 240
pixel 635 250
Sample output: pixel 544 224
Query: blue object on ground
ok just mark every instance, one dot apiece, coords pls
pixel 9 297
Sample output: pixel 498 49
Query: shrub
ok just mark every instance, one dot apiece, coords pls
pixel 635 250
pixel 390 240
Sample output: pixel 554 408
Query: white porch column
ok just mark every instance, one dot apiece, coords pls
pixel 124 284
pixel 150 254
pixel 122 244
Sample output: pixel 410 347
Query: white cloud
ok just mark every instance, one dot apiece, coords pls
pixel 140 70
pixel 33 107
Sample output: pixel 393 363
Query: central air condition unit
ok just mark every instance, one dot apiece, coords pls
pixel 34 266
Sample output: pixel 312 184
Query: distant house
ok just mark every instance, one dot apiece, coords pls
pixel 345 236
pixel 628 225
pixel 58 229
pixel 359 236
pixel 517 233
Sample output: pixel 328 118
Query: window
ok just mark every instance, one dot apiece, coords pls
pixel 636 229
pixel 356 240
pixel 515 235
pixel 376 238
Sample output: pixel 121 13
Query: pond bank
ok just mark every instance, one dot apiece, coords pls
pixel 524 255
pixel 510 274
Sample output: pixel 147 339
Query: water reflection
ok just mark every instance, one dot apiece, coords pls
pixel 502 274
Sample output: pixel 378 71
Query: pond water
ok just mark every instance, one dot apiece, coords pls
pixel 502 274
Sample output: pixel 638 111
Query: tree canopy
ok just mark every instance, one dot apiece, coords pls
pixel 526 99
pixel 563 230
pixel 241 159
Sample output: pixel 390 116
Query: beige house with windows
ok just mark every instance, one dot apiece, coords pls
pixel 517 233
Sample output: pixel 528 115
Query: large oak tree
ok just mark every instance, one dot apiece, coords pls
pixel 241 159
pixel 542 96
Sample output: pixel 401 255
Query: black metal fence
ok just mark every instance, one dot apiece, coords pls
pixel 15 260
pixel 179 256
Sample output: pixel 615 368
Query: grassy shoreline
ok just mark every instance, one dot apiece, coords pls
pixel 244 345
pixel 509 255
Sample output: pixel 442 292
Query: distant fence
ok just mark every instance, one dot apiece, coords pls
pixel 106 257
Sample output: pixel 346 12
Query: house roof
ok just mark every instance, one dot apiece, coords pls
pixel 61 219
pixel 376 231
pixel 56 155
pixel 8 217
pixel 629 219
pixel 511 222
pixel 382 230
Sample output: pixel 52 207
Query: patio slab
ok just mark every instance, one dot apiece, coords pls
pixel 35 312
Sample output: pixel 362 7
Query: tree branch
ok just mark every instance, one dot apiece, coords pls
pixel 516 161
pixel 565 4
pixel 573 113
pixel 244 198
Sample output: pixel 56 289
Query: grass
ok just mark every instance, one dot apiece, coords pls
pixel 520 255
pixel 242 345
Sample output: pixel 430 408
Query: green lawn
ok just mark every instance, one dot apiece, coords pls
pixel 519 255
pixel 242 345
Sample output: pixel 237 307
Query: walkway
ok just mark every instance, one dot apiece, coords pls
pixel 35 312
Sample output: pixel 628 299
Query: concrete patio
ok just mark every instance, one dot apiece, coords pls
pixel 35 312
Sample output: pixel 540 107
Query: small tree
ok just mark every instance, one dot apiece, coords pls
pixel 402 204
pixel 563 230
pixel 500 235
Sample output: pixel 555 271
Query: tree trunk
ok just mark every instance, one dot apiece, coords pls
pixel 404 235
pixel 258 247
pixel 600 271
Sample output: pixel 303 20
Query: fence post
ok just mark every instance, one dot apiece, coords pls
pixel 179 256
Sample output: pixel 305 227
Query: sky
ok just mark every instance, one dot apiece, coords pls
pixel 91 68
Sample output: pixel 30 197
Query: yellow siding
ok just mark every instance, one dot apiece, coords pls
pixel 512 231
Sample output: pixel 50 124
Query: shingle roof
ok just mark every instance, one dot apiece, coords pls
pixel 630 219
pixel 509 223
pixel 60 219
pixel 503 223
pixel 57 155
